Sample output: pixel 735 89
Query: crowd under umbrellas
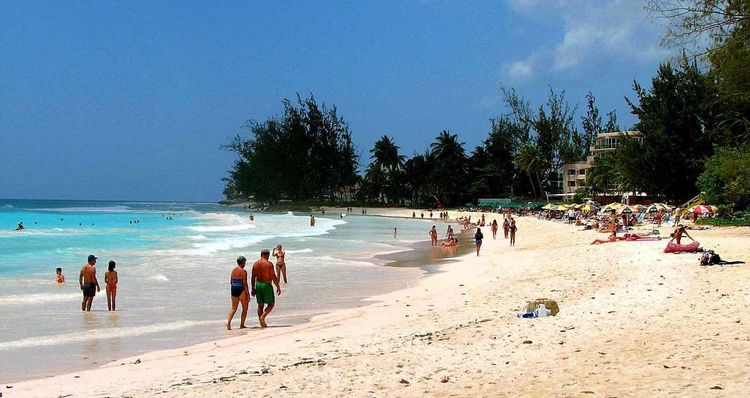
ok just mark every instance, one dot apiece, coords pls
pixel 633 222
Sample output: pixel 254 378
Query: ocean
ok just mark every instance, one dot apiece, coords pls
pixel 173 261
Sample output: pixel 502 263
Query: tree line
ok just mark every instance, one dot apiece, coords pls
pixel 693 121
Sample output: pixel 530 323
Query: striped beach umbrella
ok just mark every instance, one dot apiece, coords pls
pixel 701 209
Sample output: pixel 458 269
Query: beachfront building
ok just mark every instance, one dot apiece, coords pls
pixel 575 175
pixel 606 142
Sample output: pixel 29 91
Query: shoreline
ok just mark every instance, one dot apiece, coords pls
pixel 409 254
pixel 464 318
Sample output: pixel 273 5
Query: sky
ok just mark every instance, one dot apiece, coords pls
pixel 132 100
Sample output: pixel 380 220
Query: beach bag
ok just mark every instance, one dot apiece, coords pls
pixel 710 257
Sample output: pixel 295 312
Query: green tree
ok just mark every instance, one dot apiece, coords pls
pixel 417 172
pixel 385 173
pixel 673 123
pixel 726 179
pixel 450 174
pixel 306 153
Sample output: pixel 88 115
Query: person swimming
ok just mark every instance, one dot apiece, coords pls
pixel 60 276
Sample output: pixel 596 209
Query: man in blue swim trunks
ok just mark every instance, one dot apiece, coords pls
pixel 262 276
pixel 240 292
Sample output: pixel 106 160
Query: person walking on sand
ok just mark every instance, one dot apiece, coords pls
pixel 240 292
pixel 262 277
pixel 433 236
pixel 493 227
pixel 88 282
pixel 478 236
pixel 512 229
pixel 110 280
pixel 506 226
pixel 312 220
pixel 279 253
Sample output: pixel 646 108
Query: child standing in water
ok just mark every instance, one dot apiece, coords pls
pixel 110 278
pixel 60 277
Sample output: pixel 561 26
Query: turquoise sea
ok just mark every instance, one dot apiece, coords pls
pixel 174 261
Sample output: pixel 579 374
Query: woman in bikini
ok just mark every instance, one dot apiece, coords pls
pixel 279 253
pixel 110 278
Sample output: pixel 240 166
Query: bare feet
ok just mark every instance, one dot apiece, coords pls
pixel 243 327
pixel 262 320
pixel 229 327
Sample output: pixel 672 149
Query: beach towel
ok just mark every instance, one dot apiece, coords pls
pixel 673 247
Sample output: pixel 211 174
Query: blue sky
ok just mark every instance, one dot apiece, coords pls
pixel 132 100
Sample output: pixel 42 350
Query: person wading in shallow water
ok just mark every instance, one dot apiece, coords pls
pixel 262 277
pixel 88 282
pixel 279 253
pixel 240 292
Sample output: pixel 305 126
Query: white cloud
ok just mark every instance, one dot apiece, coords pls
pixel 520 70
pixel 592 30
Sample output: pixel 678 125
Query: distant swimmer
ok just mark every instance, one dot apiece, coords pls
pixel 240 292
pixel 312 220
pixel 478 236
pixel 110 279
pixel 88 282
pixel 279 253
pixel 262 289
pixel 20 226
pixel 60 276
pixel 395 233
pixel 449 232
pixel 433 236
pixel 252 217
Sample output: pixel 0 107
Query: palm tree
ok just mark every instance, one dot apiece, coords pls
pixel 530 161
pixel 385 154
pixel 418 170
pixel 385 169
pixel 451 167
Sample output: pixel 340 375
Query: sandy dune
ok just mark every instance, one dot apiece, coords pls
pixel 633 322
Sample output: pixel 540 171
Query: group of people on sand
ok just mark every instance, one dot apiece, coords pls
pixel 90 284
pixel 263 277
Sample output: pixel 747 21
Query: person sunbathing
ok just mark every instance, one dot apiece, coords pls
pixel 611 238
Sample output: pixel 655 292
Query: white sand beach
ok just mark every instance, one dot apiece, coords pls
pixel 633 321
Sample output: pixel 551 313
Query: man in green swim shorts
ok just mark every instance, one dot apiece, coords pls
pixel 262 276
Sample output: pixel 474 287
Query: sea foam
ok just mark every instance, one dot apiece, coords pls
pixel 100 334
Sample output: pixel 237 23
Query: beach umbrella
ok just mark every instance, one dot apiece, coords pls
pixel 701 209
pixel 658 206
pixel 586 207
pixel 612 206
pixel 626 210
pixel 548 206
